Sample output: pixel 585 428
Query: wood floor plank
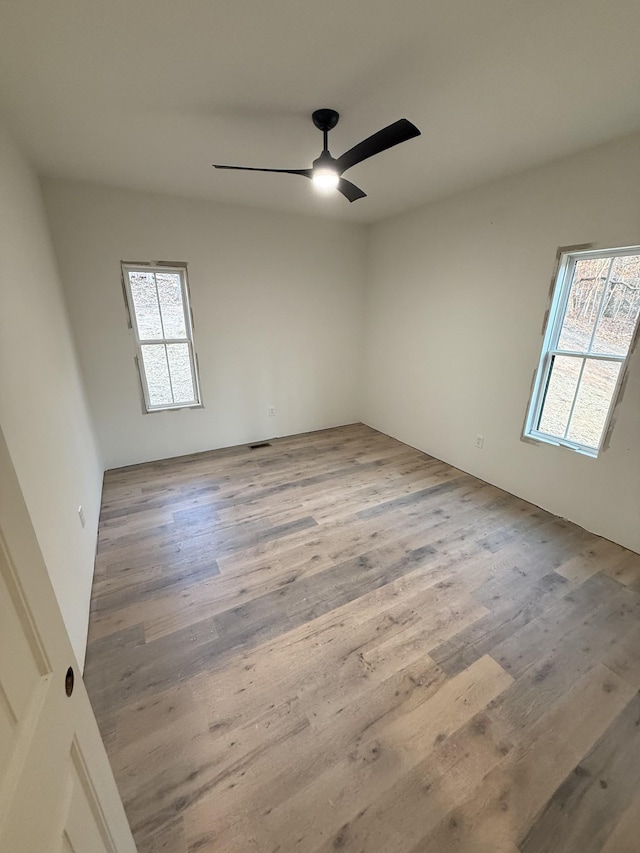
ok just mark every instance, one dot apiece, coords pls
pixel 401 815
pixel 624 838
pixel 623 657
pixel 236 808
pixel 582 612
pixel 170 839
pixel 505 805
pixel 586 807
pixel 386 750
pixel 336 642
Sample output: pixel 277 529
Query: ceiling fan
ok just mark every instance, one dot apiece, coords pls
pixel 326 171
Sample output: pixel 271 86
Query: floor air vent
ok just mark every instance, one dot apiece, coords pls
pixel 259 445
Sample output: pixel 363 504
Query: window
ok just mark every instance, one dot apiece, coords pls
pixel 158 303
pixel 592 323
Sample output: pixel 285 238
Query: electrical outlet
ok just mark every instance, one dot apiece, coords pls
pixel 272 411
pixel 480 441
pixel 83 520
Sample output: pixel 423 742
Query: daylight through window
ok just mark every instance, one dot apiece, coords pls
pixel 591 326
pixel 158 303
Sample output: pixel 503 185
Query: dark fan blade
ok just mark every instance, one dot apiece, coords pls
pixel 305 172
pixel 350 191
pixel 396 133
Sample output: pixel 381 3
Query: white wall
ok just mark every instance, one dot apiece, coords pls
pixel 278 307
pixel 42 406
pixel 456 298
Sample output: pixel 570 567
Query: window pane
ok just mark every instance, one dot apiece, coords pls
pixel 558 399
pixel 145 305
pixel 592 403
pixel 180 367
pixel 170 294
pixel 155 368
pixel 583 304
pixel 621 307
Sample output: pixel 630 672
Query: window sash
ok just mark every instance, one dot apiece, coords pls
pixel 550 349
pixel 187 404
pixel 163 341
pixel 557 439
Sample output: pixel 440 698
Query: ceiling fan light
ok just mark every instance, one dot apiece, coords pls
pixel 325 179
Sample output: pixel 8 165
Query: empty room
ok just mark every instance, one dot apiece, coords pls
pixel 320 426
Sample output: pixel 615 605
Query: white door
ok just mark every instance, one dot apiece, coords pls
pixel 57 793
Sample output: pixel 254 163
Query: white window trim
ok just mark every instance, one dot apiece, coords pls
pixel 560 289
pixel 181 270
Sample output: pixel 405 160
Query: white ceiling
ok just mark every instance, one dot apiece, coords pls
pixel 149 93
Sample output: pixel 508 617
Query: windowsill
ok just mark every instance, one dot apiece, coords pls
pixel 174 408
pixel 591 452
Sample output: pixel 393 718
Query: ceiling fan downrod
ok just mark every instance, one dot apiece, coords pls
pixel 325 120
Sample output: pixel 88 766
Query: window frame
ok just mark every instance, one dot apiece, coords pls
pixel 560 290
pixel 161 267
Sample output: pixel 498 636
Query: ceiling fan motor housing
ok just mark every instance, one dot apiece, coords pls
pixel 325 161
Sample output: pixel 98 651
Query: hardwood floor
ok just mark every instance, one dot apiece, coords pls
pixel 337 643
